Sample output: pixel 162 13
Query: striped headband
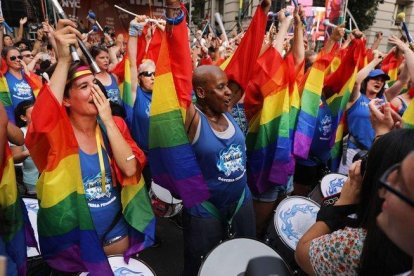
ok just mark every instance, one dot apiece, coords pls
pixel 82 71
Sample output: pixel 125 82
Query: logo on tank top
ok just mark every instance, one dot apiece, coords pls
pixel 113 95
pixel 23 91
pixel 231 161
pixel 325 126
pixel 93 190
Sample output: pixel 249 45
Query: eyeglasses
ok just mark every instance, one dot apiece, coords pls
pixel 28 56
pixel 388 186
pixel 13 58
pixel 147 74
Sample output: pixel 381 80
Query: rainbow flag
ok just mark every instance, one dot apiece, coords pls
pixel 123 72
pixel 408 116
pixel 173 162
pixel 342 80
pixel 34 81
pixel 154 46
pixel 68 240
pixel 239 68
pixel 6 99
pixel 390 65
pixel 310 102
pixel 267 109
pixel 14 215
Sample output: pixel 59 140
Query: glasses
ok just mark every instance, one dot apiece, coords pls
pixel 13 58
pixel 388 186
pixel 147 74
pixel 28 56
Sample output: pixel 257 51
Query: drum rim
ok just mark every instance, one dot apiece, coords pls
pixel 152 190
pixel 320 186
pixel 132 257
pixel 275 221
pixel 229 240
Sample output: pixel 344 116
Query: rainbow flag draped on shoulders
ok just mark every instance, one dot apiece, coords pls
pixel 173 162
pixel 16 223
pixel 339 85
pixel 267 110
pixel 5 98
pixel 310 102
pixel 67 236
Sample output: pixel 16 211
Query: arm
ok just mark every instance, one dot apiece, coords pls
pixel 337 34
pixel 65 35
pixel 298 44
pixel 19 36
pixel 32 64
pixel 408 54
pixel 135 30
pixel 19 155
pixel 393 91
pixel 48 29
pixel 377 41
pixel 14 134
pixel 283 29
pixel 120 148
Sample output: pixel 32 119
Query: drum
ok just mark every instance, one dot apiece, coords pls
pixel 134 267
pixel 231 257
pixel 163 203
pixel 293 217
pixel 332 184
pixel 32 206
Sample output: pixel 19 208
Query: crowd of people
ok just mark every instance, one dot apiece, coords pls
pixel 260 116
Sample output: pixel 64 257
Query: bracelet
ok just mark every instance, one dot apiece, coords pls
pixel 135 29
pixel 131 157
pixel 336 217
pixel 177 20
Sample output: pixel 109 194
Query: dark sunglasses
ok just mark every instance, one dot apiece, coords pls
pixel 13 58
pixel 386 185
pixel 147 74
pixel 28 56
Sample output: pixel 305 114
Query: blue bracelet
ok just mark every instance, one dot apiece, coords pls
pixel 177 20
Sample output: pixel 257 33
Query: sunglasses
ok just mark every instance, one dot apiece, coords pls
pixel 147 74
pixel 13 58
pixel 28 56
pixel 388 186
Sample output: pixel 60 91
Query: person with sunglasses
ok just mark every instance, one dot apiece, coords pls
pixel 336 245
pixel 397 216
pixel 19 88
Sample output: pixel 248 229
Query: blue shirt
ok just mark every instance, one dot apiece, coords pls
pixel 104 206
pixel 223 165
pixel 112 90
pixel 320 150
pixel 359 124
pixel 19 89
pixel 140 120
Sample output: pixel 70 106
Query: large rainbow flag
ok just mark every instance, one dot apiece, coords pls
pixel 267 109
pixel 16 222
pixel 173 162
pixel 68 240
pixel 390 65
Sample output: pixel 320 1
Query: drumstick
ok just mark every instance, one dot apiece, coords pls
pixel 218 19
pixel 126 11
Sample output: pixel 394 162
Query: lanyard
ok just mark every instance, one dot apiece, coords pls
pixel 99 143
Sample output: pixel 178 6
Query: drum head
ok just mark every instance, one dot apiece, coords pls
pixel 32 207
pixel 134 267
pixel 293 217
pixel 231 257
pixel 164 194
pixel 332 184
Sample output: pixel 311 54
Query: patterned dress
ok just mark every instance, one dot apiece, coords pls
pixel 337 253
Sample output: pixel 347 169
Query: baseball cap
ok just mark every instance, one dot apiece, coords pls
pixel 377 73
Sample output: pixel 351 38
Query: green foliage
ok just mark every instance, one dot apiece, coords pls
pixel 364 12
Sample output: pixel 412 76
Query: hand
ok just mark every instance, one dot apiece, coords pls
pixel 383 119
pixel 378 55
pixel 282 17
pixel 66 34
pixel 378 35
pixel 23 20
pixel 399 43
pixel 357 33
pixel 351 190
pixel 298 14
pixel 338 32
pixel 102 104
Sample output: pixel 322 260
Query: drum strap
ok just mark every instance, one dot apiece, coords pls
pixel 216 213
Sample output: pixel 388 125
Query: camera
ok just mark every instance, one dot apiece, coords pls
pixel 363 156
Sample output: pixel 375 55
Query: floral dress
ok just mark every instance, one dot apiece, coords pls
pixel 337 253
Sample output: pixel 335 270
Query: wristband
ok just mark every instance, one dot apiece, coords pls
pixel 131 157
pixel 135 29
pixel 177 20
pixel 336 217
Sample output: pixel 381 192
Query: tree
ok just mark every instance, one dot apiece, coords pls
pixel 364 12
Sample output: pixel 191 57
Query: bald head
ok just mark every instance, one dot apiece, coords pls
pixel 205 73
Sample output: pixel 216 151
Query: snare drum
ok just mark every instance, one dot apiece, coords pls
pixel 134 267
pixel 32 207
pixel 293 217
pixel 163 203
pixel 332 184
pixel 231 257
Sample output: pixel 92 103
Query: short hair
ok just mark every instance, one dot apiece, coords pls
pixel 6 50
pixel 145 65
pixel 21 110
